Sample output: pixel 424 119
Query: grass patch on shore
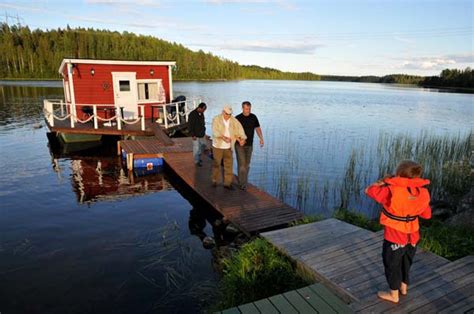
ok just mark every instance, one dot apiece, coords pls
pixel 258 270
pixel 451 242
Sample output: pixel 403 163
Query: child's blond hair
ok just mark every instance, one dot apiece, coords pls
pixel 409 169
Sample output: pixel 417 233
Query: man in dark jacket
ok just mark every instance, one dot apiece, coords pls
pixel 250 124
pixel 197 130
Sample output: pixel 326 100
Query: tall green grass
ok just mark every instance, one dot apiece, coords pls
pixel 315 187
pixel 255 272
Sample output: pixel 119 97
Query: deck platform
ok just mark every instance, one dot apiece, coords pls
pixel 347 259
pixel 104 129
pixel 308 300
pixel 252 210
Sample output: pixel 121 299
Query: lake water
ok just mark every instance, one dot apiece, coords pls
pixel 78 236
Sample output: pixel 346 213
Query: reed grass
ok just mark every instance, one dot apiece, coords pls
pixel 313 185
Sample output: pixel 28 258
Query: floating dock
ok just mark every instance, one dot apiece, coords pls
pixel 251 211
pixel 348 260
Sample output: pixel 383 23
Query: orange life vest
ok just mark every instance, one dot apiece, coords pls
pixel 409 199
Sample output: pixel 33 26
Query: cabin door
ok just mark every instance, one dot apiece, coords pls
pixel 125 94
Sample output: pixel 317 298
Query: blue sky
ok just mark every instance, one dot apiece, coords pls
pixel 359 37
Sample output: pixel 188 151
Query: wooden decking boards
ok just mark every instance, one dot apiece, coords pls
pixel 252 210
pixel 308 300
pixel 127 129
pixel 347 259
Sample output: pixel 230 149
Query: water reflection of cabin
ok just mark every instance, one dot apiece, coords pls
pixel 116 98
pixel 95 180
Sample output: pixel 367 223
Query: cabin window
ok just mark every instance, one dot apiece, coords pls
pixel 151 91
pixel 124 86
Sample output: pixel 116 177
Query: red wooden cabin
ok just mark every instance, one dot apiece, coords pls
pixel 123 85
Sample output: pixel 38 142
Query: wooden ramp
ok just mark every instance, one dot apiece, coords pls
pixel 252 210
pixel 347 259
pixel 308 300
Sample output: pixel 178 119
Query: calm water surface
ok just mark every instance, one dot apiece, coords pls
pixel 78 236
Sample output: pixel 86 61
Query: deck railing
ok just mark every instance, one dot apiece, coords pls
pixel 169 115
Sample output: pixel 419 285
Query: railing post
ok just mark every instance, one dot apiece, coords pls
pixel 177 114
pixel 166 116
pixel 71 117
pixel 119 122
pixel 96 125
pixel 62 108
pixel 142 109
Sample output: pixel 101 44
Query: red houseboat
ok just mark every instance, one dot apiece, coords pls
pixel 112 97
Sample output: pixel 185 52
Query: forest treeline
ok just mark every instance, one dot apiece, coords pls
pixel 37 54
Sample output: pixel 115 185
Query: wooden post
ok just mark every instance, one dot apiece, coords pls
pixel 165 116
pixel 119 149
pixel 96 124
pixel 130 162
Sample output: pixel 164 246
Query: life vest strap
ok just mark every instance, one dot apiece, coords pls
pixel 408 218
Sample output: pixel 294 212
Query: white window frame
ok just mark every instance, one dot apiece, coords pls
pixel 146 101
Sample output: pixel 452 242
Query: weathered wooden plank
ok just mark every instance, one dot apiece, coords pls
pixel 233 310
pixel 343 253
pixel 331 299
pixel 298 302
pixel 316 301
pixel 367 284
pixel 248 308
pixel 341 247
pixel 448 300
pixel 447 279
pixel 265 306
pixel 464 306
pixel 282 304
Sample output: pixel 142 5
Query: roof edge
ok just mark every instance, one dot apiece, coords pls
pixel 118 62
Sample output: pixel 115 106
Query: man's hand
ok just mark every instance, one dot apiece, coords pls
pixel 226 139
pixel 194 138
pixel 261 142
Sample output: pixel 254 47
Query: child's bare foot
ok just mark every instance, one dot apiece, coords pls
pixel 403 289
pixel 391 296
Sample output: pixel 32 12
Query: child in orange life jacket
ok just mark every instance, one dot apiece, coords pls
pixel 404 198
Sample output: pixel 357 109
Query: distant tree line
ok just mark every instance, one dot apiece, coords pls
pixel 38 54
pixel 447 78
pixel 451 78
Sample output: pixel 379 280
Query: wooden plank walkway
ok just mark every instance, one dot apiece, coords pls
pixel 347 259
pixel 308 300
pixel 252 210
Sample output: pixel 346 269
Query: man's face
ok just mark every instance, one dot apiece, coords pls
pixel 201 110
pixel 226 115
pixel 246 110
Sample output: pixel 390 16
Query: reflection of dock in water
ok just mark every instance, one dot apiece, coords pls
pixel 96 180
pixel 252 210
pixel 95 177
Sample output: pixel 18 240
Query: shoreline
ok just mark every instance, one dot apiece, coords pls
pixel 440 89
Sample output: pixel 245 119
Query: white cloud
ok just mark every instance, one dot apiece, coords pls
pixel 281 3
pixel 437 62
pixel 293 47
pixel 128 3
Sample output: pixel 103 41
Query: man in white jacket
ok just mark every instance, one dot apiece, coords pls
pixel 226 130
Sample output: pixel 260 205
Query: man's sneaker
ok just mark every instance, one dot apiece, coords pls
pixel 243 187
pixel 214 184
pixel 228 187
